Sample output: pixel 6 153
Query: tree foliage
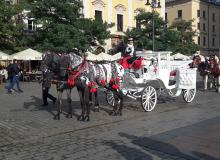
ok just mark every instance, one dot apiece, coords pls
pixel 61 26
pixel 176 38
pixel 10 30
pixel 185 43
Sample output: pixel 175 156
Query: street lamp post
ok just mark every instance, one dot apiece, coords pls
pixel 154 4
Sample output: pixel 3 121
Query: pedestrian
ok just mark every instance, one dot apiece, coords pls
pixel 13 70
pixel 46 84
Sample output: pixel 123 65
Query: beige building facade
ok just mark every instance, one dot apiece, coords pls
pixel 120 12
pixel 206 16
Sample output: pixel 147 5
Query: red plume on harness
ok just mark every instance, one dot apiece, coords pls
pixel 93 87
pixel 114 83
pixel 103 82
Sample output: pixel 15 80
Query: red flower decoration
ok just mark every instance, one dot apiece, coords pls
pixel 115 86
pixel 69 69
pixel 103 82
pixel 90 84
pixel 118 79
pixel 70 83
pixel 112 80
pixel 93 90
pixel 74 72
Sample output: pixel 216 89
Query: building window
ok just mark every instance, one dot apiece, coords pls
pixel 203 27
pixel 30 25
pixel 213 28
pixel 198 13
pixel 204 41
pixel 213 42
pixel 198 26
pixel 203 14
pixel 180 14
pixel 213 17
pixel 198 40
pixel 98 15
pixel 166 16
pixel 119 22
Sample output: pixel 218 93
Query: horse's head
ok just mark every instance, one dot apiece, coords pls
pixel 50 62
pixel 75 60
pixel 119 70
pixel 197 59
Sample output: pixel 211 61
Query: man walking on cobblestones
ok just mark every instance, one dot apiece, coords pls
pixel 46 84
pixel 13 71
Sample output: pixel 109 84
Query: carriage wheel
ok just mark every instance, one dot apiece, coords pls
pixel 188 95
pixel 149 98
pixel 110 98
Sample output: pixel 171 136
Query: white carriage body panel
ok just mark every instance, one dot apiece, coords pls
pixel 157 65
pixel 186 78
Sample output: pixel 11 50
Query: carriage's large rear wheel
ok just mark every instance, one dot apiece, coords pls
pixel 149 98
pixel 188 95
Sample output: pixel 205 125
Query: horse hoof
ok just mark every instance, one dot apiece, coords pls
pixel 86 118
pixel 112 113
pixel 80 118
pixel 96 109
pixel 56 117
pixel 69 116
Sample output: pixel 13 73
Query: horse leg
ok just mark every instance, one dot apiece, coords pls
pixel 57 116
pixel 81 96
pixel 120 95
pixel 69 100
pixel 86 99
pixel 205 82
pixel 218 84
pixel 96 106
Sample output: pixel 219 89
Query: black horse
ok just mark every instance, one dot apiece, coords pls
pixel 60 66
pixel 208 69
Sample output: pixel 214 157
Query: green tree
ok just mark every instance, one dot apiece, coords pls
pixel 176 38
pixel 185 43
pixel 10 29
pixel 61 26
pixel 144 33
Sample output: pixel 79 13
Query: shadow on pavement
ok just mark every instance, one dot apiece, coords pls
pixel 36 105
pixel 127 152
pixel 162 149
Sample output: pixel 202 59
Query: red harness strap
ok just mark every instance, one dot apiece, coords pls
pixel 75 74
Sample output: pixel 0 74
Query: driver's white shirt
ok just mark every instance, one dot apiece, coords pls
pixel 132 49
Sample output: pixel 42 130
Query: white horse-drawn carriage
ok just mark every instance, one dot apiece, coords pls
pixel 157 74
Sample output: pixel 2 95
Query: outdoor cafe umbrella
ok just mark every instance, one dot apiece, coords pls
pixel 27 55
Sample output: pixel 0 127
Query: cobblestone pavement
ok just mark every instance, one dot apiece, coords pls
pixel 175 130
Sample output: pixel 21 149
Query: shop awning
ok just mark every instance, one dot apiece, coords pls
pixel 4 56
pixel 28 54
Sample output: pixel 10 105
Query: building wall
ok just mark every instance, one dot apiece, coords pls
pixel 190 9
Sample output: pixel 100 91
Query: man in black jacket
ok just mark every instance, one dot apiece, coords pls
pixel 46 84
pixel 13 71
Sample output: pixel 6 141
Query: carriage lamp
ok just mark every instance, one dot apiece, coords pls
pixel 154 4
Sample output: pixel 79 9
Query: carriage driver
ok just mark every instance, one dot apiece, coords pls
pixel 130 50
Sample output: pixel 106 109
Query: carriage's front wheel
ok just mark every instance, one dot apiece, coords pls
pixel 149 98
pixel 110 98
pixel 188 95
